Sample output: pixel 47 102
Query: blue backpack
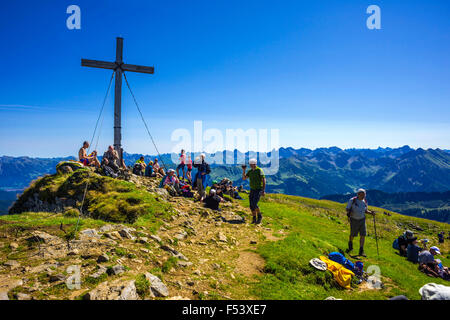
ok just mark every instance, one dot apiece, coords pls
pixel 339 258
pixel 395 244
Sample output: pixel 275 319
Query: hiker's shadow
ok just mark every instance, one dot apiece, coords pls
pixel 233 221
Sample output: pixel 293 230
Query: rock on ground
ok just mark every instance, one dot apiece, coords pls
pixel 157 287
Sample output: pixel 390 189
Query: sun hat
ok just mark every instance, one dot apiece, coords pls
pixel 436 249
pixel 318 264
pixel 361 190
pixel 253 161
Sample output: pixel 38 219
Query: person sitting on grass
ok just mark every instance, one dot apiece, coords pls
pixel 427 256
pixel 149 170
pixel 403 241
pixel 88 160
pixel 171 182
pixel 413 251
pixel 157 169
pixel 111 159
pixel 212 201
pixel 139 166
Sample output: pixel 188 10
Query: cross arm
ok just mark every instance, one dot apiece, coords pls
pixel 98 64
pixel 135 68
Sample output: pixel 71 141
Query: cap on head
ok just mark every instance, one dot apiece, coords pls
pixel 435 249
pixel 361 191
pixel 253 161
pixel 212 191
pixel 409 234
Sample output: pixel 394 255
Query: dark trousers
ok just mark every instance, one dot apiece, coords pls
pixel 255 195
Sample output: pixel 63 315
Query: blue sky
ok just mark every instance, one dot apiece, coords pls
pixel 311 69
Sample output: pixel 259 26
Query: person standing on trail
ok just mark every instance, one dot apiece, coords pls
pixel 203 169
pixel 182 164
pixel 356 212
pixel 257 188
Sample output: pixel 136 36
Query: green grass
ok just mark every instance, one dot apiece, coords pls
pixel 106 199
pixel 142 285
pixel 169 264
pixel 318 227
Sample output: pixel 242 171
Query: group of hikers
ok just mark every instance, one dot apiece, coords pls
pixel 180 182
pixel 408 246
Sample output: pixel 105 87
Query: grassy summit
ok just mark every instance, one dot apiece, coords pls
pixel 106 198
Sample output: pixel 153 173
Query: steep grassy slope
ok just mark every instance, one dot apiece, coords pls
pixel 317 227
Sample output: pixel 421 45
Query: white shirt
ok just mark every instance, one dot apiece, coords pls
pixel 357 210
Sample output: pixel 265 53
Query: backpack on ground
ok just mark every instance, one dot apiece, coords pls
pixel 339 258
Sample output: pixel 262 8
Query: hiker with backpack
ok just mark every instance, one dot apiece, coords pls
pixel 357 208
pixel 402 242
pixel 139 166
pixel 203 169
pixel 257 188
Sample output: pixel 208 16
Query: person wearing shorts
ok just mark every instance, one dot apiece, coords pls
pixel 356 211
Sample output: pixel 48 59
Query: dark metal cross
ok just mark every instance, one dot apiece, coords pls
pixel 119 67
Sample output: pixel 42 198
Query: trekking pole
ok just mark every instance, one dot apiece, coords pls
pixel 376 237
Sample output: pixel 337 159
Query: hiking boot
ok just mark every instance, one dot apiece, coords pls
pixel 350 247
pixel 362 253
pixel 254 220
pixel 258 221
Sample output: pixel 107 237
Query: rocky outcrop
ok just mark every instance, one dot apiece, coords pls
pixel 116 290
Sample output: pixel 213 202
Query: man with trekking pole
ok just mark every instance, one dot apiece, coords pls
pixel 357 208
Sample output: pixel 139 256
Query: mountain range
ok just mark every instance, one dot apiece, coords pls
pixel 305 172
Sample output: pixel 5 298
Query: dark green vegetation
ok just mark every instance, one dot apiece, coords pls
pixel 429 205
pixel 106 198
pixel 318 227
